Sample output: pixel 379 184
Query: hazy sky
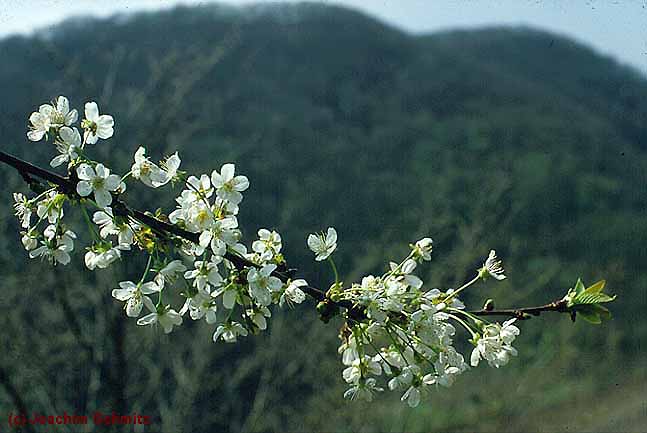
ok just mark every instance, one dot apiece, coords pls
pixel 615 27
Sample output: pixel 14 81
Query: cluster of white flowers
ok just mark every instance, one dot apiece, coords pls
pixel 207 207
pixel 494 345
pixel 55 122
pixel 408 336
pixel 395 328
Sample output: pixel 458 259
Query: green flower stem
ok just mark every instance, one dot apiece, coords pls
pixel 397 268
pixel 396 344
pixel 126 176
pixel 367 338
pixel 408 343
pixel 39 196
pixel 148 266
pixel 417 340
pixel 231 312
pixel 334 269
pixel 460 289
pixel 465 325
pixel 467 314
pixel 93 229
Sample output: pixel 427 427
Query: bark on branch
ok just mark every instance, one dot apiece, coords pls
pixel 526 312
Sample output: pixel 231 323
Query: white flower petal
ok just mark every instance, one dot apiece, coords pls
pixel 91 111
pixel 150 288
pixel 227 172
pixel 85 172
pixel 102 197
pixel 148 319
pixel 83 188
pixel 112 182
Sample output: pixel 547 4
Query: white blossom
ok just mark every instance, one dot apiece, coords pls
pixel 292 293
pixel 323 246
pixel 268 245
pixel 229 331
pixel 68 146
pixel 423 248
pixel 171 166
pixel 166 317
pixel 200 217
pixel 97 180
pixel 109 226
pixel 22 209
pixel 193 208
pixel 395 327
pixel 61 115
pixel 228 186
pixel 407 372
pixel 495 344
pixel 200 305
pixel 29 240
pixel 101 256
pixel 262 283
pixel 363 390
pixel 96 126
pixel 169 273
pixel 508 332
pixel 56 247
pixel 200 188
pixel 134 295
pixel 51 116
pixel 205 274
pixel 51 207
pixel 449 365
pixel 412 396
pixel 40 122
pixel 145 170
pixel 222 232
pixel 226 207
pixel 229 295
pixel 492 267
pixel 258 317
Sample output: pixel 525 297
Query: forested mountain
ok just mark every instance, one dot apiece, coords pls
pixel 505 138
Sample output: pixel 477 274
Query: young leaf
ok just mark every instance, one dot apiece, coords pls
pixel 587 313
pixel 596 288
pixel 579 286
pixel 593 313
pixel 588 298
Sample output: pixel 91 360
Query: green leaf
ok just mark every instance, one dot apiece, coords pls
pixel 588 298
pixel 592 295
pixel 589 315
pixel 603 312
pixel 586 302
pixel 593 313
pixel 579 286
pixel 596 288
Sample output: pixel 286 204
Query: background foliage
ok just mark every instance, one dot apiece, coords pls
pixel 506 138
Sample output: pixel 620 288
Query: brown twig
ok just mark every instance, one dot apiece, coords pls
pixel 526 312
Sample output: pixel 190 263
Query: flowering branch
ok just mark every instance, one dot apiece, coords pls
pixel 393 324
pixel 27 170
pixel 67 186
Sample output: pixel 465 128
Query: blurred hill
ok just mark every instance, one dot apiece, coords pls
pixel 505 138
